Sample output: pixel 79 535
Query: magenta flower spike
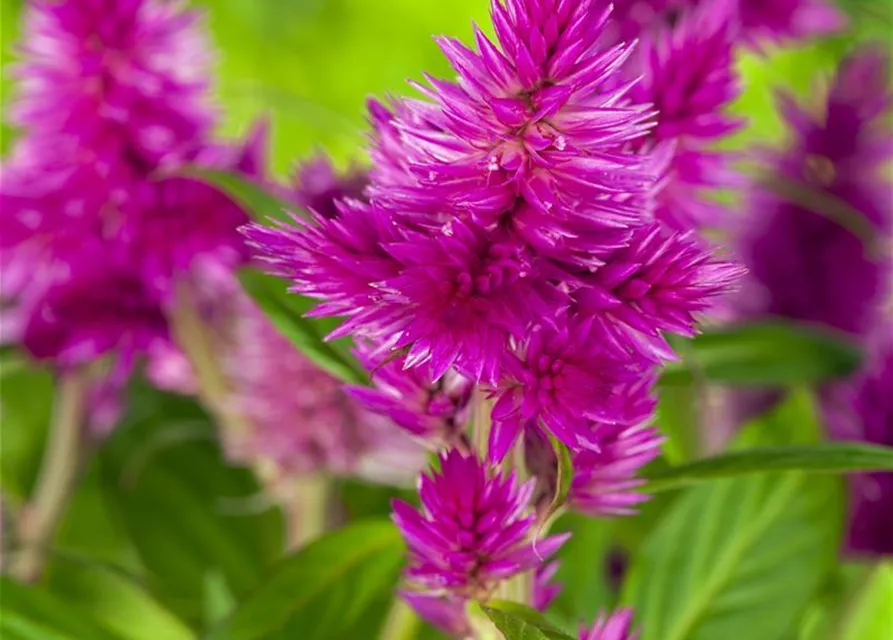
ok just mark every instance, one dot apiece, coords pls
pixel 616 626
pixel 116 78
pixel 804 263
pixel 862 409
pixel 472 531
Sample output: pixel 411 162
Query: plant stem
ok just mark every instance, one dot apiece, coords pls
pixel 480 424
pixel 56 479
pixel 306 509
pixel 402 622
pixel 194 337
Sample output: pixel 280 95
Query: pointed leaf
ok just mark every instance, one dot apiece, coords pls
pixel 518 622
pixel 260 204
pixel 286 311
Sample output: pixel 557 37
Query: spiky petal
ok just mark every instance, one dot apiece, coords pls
pixel 473 530
pixel 616 626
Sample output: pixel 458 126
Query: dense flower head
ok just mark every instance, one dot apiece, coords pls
pixel 657 284
pixel 605 482
pixel 436 412
pixel 116 78
pixel 862 409
pixel 100 306
pixel 558 378
pixel 687 72
pixel 473 530
pixel 821 216
pixel 532 137
pixel 616 626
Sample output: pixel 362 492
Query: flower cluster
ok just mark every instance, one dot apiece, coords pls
pixel 95 229
pixel 508 268
pixel 820 217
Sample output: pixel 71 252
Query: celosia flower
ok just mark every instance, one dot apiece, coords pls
pixel 862 409
pixel 99 307
pixel 435 412
pixel 687 72
pixel 655 285
pixel 559 378
pixel 605 482
pixel 472 532
pixel 533 136
pixel 120 79
pixel 821 216
pixel 300 420
pixel 616 626
pixel 781 20
pixel 544 589
pixel 319 187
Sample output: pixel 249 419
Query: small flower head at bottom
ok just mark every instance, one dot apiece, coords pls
pixel 473 531
pixel 617 626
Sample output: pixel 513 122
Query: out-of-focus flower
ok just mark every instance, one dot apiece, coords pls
pixel 444 611
pixel 319 187
pixel 116 79
pixel 616 626
pixel 820 218
pixel 544 589
pixel 472 532
pixel 783 20
pixel 862 409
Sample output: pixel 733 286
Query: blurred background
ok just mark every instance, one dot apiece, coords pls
pixel 173 504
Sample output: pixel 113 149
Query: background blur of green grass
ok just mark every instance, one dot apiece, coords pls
pixel 310 64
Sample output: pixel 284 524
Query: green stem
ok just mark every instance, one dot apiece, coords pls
pixel 480 424
pixel 56 479
pixel 306 509
pixel 402 622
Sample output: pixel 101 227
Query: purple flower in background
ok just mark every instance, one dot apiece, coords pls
pixel 605 482
pixel 435 412
pixel 782 20
pixel 443 611
pixel 544 589
pixel 616 626
pixel 820 217
pixel 687 72
pixel 862 409
pixel 319 186
pixel 472 532
pixel 117 79
pixel 99 307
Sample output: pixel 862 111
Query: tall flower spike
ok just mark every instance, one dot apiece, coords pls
pixel 533 134
pixel 815 242
pixel 118 78
pixel 472 532
pixel 862 409
pixel 616 626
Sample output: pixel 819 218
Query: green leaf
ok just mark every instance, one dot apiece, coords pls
pixel 738 558
pixel 26 400
pixel 518 622
pixel 872 617
pixel 321 590
pixel 30 613
pixel 286 311
pixel 764 354
pixel 583 567
pixel 262 206
pixel 565 474
pixel 187 513
pixel 825 457
pixel 114 600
